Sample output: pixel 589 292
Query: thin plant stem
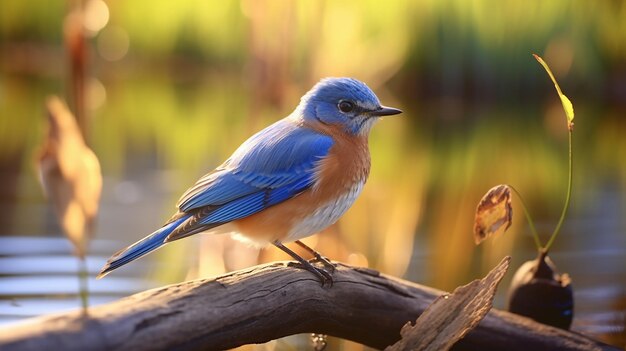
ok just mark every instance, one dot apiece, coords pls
pixel 568 196
pixel 83 283
pixel 529 218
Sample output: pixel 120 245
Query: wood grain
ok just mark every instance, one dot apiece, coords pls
pixel 268 302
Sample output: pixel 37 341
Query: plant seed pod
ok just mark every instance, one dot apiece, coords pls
pixel 538 292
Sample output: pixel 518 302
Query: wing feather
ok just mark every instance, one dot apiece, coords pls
pixel 274 165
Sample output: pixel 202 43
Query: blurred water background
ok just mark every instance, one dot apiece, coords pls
pixel 175 87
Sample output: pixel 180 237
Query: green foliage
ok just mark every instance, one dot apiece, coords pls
pixel 567 104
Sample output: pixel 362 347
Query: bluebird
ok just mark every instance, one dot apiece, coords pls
pixel 289 181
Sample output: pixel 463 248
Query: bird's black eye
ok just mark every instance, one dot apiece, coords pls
pixel 345 106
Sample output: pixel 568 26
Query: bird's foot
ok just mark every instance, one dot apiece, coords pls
pixel 323 275
pixel 325 261
pixel 317 257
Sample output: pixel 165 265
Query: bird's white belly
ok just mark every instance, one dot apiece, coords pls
pixel 325 215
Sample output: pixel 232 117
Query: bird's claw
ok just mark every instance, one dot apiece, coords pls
pixel 324 276
pixel 325 261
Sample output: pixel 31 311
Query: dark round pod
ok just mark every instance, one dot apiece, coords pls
pixel 538 292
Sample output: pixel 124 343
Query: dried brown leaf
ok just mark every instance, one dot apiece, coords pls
pixel 450 317
pixel 494 213
pixel 70 175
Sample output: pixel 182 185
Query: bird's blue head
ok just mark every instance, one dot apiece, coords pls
pixel 344 102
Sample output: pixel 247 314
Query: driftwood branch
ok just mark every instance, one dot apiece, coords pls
pixel 451 316
pixel 268 302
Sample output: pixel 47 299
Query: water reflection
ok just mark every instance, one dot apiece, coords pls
pixel 38 276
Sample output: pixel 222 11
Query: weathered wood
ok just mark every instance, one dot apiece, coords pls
pixel 451 316
pixel 267 302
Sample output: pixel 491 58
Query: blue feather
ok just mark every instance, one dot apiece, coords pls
pixel 281 155
pixel 140 248
pixel 256 202
pixel 271 167
pixel 216 188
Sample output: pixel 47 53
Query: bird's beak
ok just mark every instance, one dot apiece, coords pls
pixel 385 111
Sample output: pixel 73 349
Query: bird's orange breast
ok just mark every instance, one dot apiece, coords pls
pixel 339 179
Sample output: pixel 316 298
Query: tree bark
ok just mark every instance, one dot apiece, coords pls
pixel 268 302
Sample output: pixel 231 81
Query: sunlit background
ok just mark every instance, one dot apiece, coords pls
pixel 175 86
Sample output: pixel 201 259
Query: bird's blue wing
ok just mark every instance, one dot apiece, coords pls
pixel 272 166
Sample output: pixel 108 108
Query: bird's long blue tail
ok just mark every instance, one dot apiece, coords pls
pixel 140 248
